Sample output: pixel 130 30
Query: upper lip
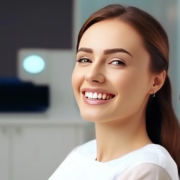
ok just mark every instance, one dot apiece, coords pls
pixel 96 90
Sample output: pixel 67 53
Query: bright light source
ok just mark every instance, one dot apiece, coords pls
pixel 33 64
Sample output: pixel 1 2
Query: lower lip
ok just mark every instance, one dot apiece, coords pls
pixel 95 102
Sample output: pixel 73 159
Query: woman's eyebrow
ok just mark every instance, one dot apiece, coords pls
pixel 106 51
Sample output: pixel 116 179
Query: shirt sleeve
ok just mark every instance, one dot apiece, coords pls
pixel 145 171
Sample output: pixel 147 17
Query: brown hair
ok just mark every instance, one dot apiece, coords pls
pixel 161 122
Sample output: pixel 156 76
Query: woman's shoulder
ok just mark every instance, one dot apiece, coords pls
pixel 154 155
pixel 157 154
pixel 88 149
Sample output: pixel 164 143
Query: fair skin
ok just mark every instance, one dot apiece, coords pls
pixel 120 124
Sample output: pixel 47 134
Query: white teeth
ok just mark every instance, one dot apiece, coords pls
pixel 91 95
pixel 95 95
pixel 86 94
pixel 104 96
pixel 99 96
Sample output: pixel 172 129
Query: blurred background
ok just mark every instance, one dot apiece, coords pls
pixel 40 122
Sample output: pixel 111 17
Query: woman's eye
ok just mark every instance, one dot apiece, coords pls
pixel 83 59
pixel 119 62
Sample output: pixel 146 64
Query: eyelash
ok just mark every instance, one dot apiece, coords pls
pixel 112 61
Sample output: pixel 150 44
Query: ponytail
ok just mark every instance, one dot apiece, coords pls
pixel 161 122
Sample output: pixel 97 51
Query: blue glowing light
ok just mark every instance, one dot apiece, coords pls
pixel 33 64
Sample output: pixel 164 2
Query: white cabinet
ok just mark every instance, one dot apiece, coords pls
pixel 35 151
pixel 4 154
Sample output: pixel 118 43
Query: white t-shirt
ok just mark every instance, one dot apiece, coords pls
pixel 151 162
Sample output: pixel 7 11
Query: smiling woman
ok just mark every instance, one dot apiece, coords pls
pixel 121 84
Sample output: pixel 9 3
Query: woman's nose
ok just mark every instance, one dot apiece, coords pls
pixel 95 74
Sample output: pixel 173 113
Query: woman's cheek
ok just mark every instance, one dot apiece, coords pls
pixel 130 84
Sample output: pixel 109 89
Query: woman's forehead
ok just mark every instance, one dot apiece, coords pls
pixel 109 34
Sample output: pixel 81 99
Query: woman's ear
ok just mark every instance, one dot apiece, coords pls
pixel 158 81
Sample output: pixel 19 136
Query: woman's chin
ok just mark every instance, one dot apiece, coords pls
pixel 93 117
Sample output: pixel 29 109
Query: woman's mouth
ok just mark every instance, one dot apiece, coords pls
pixel 97 98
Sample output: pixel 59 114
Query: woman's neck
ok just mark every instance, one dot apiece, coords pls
pixel 117 138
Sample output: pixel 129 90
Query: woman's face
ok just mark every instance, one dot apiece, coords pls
pixel 123 73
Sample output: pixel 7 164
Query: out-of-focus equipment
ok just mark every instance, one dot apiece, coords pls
pixel 19 96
